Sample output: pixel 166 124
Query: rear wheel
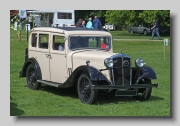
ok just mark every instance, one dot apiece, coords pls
pixel 31 78
pixel 144 93
pixel 85 92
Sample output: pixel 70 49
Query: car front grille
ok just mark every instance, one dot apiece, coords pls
pixel 122 75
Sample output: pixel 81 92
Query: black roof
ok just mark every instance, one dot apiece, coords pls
pixel 76 28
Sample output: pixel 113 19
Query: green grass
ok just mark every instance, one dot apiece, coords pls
pixel 127 35
pixel 51 101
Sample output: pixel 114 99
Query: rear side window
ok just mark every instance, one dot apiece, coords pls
pixel 58 42
pixel 43 41
pixel 34 40
pixel 64 15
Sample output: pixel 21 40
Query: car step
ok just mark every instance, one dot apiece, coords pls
pixel 58 85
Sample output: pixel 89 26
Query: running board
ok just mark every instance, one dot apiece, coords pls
pixel 50 83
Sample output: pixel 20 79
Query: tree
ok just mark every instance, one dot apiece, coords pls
pixel 162 16
pixel 85 14
pixel 129 17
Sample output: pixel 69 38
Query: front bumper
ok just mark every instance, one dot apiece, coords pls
pixel 123 87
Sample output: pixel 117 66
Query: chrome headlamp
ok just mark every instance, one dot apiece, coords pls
pixel 108 62
pixel 139 62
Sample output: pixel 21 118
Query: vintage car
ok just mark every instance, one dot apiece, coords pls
pixel 71 56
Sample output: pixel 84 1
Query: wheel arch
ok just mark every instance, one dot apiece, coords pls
pixel 92 72
pixel 147 73
pixel 25 66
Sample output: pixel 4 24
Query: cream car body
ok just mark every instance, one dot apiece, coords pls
pixel 66 57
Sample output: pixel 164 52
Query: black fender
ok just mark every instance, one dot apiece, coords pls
pixel 146 73
pixel 94 75
pixel 34 62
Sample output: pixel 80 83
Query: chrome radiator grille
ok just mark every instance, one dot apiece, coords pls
pixel 122 76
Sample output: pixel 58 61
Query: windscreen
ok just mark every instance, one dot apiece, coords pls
pixel 89 42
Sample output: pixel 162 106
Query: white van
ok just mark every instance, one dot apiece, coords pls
pixel 54 18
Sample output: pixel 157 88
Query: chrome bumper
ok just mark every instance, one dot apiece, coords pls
pixel 123 87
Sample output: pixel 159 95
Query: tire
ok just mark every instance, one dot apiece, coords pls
pixel 31 78
pixel 144 94
pixel 131 31
pixel 145 32
pixel 85 92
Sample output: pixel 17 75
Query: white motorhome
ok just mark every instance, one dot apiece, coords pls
pixel 54 18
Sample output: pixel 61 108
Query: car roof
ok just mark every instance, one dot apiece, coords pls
pixel 77 28
pixel 70 30
pixel 66 28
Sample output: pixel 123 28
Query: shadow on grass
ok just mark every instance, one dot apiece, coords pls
pixel 107 99
pixel 14 111
pixel 69 92
pixel 103 98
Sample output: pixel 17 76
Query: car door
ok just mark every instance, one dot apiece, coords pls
pixel 42 54
pixel 135 28
pixel 58 67
pixel 140 28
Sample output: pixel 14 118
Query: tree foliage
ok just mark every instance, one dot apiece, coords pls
pixel 85 14
pixel 129 17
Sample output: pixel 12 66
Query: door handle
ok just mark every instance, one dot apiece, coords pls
pixel 47 55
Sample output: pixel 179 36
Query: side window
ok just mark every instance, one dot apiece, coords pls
pixel 43 41
pixel 58 42
pixel 64 15
pixel 34 40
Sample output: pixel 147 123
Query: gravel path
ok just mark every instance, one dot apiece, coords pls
pixel 139 40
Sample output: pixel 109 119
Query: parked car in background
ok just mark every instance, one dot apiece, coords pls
pixel 139 28
pixel 83 58
pixel 109 26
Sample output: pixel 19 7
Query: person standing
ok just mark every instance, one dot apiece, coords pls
pixel 31 18
pixel 96 23
pixel 79 23
pixel 155 29
pixel 89 24
pixel 83 24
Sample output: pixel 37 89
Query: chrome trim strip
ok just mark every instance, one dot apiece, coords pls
pixel 122 71
pixel 113 83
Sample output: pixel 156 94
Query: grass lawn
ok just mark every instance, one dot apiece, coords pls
pixel 127 35
pixel 51 101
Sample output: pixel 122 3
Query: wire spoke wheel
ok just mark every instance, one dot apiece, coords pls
pixel 31 78
pixel 144 93
pixel 85 92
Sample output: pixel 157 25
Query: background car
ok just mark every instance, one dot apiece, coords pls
pixel 139 28
pixel 109 26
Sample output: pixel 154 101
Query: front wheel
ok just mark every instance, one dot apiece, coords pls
pixel 31 78
pixel 144 94
pixel 85 92
pixel 145 32
pixel 131 31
